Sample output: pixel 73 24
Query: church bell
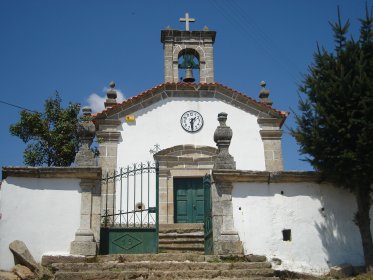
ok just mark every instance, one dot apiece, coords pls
pixel 189 75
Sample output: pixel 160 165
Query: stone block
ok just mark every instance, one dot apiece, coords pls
pixel 111 151
pixel 85 248
pixel 85 207
pixel 5 275
pixel 23 272
pixel 22 255
pixel 96 225
pixel 96 204
pixel 228 248
pixel 268 155
pixel 85 220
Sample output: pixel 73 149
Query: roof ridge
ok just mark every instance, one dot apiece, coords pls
pixel 283 114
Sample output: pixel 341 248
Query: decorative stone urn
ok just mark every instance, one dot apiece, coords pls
pixel 86 132
pixel 222 137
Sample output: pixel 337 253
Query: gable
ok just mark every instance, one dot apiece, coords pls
pixel 191 90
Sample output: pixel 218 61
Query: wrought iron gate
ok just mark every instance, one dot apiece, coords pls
pixel 209 242
pixel 130 219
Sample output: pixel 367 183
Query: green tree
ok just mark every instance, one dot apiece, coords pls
pixel 335 126
pixel 52 136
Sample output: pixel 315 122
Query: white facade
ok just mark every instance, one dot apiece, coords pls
pixel 43 213
pixel 160 124
pixel 320 218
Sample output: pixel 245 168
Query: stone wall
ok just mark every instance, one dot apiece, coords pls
pixel 46 207
pixel 292 218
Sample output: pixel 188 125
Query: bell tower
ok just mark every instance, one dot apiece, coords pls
pixel 188 54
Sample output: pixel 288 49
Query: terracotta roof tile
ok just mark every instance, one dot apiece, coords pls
pixel 186 86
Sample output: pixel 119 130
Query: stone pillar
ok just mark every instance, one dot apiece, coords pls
pixel 271 136
pixel 108 137
pixel 164 181
pixel 86 131
pixel 85 238
pixel 226 239
pixel 84 243
pixel 168 62
pixel 208 75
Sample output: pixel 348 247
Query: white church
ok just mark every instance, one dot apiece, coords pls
pixel 188 153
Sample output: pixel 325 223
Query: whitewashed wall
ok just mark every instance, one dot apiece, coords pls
pixel 320 238
pixel 160 124
pixel 43 213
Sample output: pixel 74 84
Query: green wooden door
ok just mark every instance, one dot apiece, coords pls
pixel 189 200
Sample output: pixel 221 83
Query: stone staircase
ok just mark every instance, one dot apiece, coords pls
pixel 181 256
pixel 181 238
pixel 159 266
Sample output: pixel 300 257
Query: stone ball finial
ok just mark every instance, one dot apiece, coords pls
pixel 111 95
pixel 87 111
pixel 264 94
pixel 222 118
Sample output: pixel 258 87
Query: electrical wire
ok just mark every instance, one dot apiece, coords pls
pixel 231 15
pixel 19 107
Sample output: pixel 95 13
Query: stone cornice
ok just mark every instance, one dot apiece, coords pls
pixel 169 35
pixel 270 134
pixel 271 122
pixel 93 173
pixel 108 136
pixel 109 122
pixel 265 176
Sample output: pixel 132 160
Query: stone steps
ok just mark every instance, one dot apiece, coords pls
pixel 181 238
pixel 169 265
pixel 159 266
pixel 165 275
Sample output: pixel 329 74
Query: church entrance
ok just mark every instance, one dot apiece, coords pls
pixel 189 200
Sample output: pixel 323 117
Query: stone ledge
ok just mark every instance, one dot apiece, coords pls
pixel 52 172
pixel 265 176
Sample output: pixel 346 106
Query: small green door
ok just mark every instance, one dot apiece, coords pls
pixel 189 200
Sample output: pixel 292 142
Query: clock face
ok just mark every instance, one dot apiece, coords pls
pixel 191 121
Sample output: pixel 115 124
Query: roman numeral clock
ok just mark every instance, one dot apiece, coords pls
pixel 191 121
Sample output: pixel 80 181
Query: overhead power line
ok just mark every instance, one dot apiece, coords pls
pixel 236 16
pixel 19 107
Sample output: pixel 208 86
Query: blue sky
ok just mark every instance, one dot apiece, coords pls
pixel 78 47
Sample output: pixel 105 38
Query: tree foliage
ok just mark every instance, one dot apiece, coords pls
pixel 52 136
pixel 335 127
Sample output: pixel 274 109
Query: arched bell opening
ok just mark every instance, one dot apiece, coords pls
pixel 189 66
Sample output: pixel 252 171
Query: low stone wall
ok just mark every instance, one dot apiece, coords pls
pixel 45 207
pixel 290 217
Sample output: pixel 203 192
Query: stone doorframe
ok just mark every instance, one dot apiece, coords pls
pixel 180 161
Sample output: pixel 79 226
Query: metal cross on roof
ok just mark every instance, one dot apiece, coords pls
pixel 187 19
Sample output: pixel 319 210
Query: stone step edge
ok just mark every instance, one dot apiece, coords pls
pixel 218 272
pixel 182 241
pixel 158 266
pixel 189 234
pixel 49 259
pixel 252 277
pixel 182 245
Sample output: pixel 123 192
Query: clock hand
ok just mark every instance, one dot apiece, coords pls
pixel 192 122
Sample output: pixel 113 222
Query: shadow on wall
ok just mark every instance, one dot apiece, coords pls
pixel 338 233
pixel 65 184
pixel 320 217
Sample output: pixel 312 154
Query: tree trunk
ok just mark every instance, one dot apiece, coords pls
pixel 363 222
